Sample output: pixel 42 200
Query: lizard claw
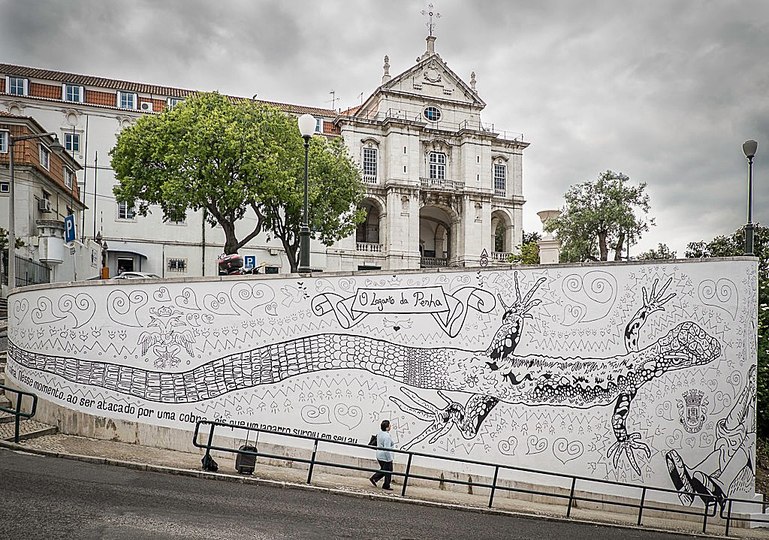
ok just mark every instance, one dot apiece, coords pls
pixel 656 301
pixel 628 448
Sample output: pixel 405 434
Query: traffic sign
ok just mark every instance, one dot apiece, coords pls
pixel 249 261
pixel 69 228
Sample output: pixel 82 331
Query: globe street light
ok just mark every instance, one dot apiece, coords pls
pixel 749 149
pixel 12 140
pixel 306 128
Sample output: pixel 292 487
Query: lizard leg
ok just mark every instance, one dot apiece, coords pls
pixel 626 444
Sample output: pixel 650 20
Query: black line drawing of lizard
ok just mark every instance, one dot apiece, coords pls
pixel 492 375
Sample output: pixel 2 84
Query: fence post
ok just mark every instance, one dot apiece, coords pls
pixel 571 495
pixel 728 518
pixel 406 476
pixel 312 460
pixel 17 420
pixel 494 484
pixel 207 457
pixel 641 508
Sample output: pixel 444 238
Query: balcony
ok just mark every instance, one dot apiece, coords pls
pixel 433 262
pixel 368 247
pixel 500 192
pixel 441 184
pixel 370 179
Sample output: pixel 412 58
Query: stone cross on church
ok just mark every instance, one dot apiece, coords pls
pixel 430 13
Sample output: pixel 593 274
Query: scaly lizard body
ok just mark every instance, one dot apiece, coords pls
pixel 492 375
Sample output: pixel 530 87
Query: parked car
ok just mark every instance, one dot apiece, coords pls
pixel 136 275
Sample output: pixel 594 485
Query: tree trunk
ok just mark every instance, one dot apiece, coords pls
pixel 230 240
pixel 618 249
pixel 604 255
pixel 292 254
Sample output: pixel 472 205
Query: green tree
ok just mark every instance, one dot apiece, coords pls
pixel 661 253
pixel 230 158
pixel 529 252
pixel 734 245
pixel 601 216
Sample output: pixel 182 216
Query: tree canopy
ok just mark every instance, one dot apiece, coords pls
pixel 529 253
pixel 601 216
pixel 733 245
pixel 231 158
pixel 662 252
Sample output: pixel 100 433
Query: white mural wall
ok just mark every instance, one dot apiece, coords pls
pixel 640 373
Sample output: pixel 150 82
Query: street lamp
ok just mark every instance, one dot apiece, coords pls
pixel 749 149
pixel 12 140
pixel 306 128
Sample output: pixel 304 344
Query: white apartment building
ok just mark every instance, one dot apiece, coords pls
pixel 443 188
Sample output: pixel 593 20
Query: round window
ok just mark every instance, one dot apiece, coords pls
pixel 433 114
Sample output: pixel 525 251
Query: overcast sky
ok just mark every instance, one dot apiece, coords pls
pixel 664 91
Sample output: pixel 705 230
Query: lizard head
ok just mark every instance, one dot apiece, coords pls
pixel 688 345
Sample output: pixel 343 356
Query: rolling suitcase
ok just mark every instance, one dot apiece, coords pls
pixel 246 463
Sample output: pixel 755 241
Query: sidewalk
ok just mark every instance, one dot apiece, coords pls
pixel 348 483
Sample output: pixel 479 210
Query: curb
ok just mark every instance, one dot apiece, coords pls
pixel 162 469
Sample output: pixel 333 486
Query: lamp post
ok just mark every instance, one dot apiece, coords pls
pixel 12 140
pixel 306 128
pixel 749 149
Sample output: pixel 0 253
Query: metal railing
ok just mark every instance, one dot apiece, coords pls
pixel 29 272
pixel 17 411
pixel 445 125
pixel 642 505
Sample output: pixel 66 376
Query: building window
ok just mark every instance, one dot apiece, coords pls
pixel 126 100
pixel 319 125
pixel 72 142
pixel 125 212
pixel 438 165
pixel 433 114
pixel 73 93
pixel 500 179
pixel 3 142
pixel 68 178
pixel 5 187
pixel 177 265
pixel 369 164
pixel 45 157
pixel 16 86
pixel 173 102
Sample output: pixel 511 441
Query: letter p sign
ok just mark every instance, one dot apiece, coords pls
pixel 69 228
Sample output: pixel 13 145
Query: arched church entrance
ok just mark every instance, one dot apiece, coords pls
pixel 436 237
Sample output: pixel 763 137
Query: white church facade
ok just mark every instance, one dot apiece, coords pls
pixel 443 188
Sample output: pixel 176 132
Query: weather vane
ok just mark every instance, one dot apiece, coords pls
pixel 430 13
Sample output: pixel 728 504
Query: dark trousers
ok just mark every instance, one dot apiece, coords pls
pixel 386 473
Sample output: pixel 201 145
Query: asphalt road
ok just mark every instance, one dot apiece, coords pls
pixel 42 497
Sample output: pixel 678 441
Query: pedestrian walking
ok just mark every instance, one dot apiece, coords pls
pixel 384 456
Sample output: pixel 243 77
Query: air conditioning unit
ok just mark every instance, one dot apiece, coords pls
pixel 44 205
pixel 146 106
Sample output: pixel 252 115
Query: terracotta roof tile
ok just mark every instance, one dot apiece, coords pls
pixel 140 88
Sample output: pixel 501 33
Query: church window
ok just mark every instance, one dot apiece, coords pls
pixel 369 164
pixel 438 165
pixel 433 114
pixel 500 179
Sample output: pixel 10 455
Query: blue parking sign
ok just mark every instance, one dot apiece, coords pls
pixel 249 261
pixel 69 228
